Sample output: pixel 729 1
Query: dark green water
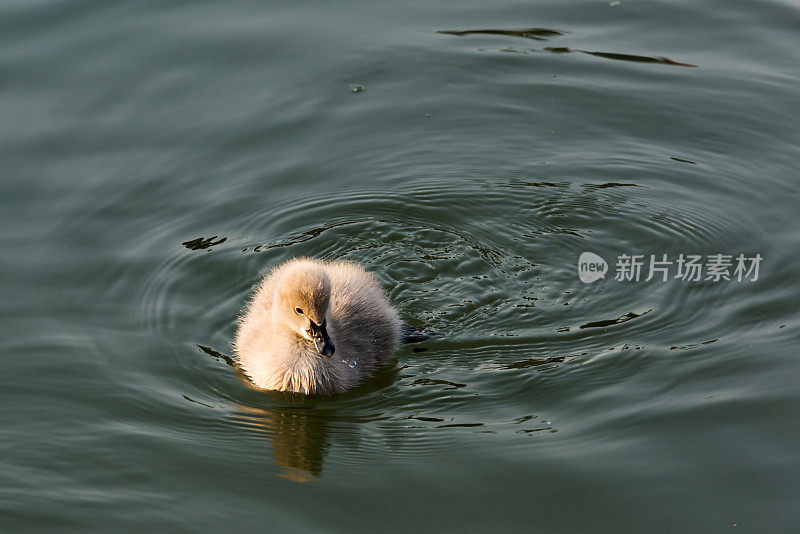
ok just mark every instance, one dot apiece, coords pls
pixel 469 171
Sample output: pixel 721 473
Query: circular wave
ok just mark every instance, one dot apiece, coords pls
pixel 489 266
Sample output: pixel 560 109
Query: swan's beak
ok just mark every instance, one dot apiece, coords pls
pixel 322 341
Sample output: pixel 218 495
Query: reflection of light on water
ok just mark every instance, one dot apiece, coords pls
pixel 298 438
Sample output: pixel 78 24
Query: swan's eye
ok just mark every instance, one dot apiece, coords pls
pixel 310 333
pixel 299 311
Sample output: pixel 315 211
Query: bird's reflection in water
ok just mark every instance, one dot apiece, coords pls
pixel 299 437
pixel 298 427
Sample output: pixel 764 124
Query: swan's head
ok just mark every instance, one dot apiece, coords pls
pixel 302 295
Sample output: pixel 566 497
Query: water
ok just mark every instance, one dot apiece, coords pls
pixel 158 157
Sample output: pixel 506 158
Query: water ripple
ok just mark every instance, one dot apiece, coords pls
pixel 503 333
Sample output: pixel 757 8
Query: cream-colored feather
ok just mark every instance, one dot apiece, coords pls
pixel 274 342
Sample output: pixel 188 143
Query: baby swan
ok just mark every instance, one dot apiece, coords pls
pixel 315 327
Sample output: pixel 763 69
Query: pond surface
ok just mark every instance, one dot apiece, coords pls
pixel 158 157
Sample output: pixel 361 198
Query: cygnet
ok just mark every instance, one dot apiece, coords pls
pixel 315 327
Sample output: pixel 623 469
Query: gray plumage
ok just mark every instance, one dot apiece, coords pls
pixel 282 343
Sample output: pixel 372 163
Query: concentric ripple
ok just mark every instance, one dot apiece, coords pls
pixel 507 308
